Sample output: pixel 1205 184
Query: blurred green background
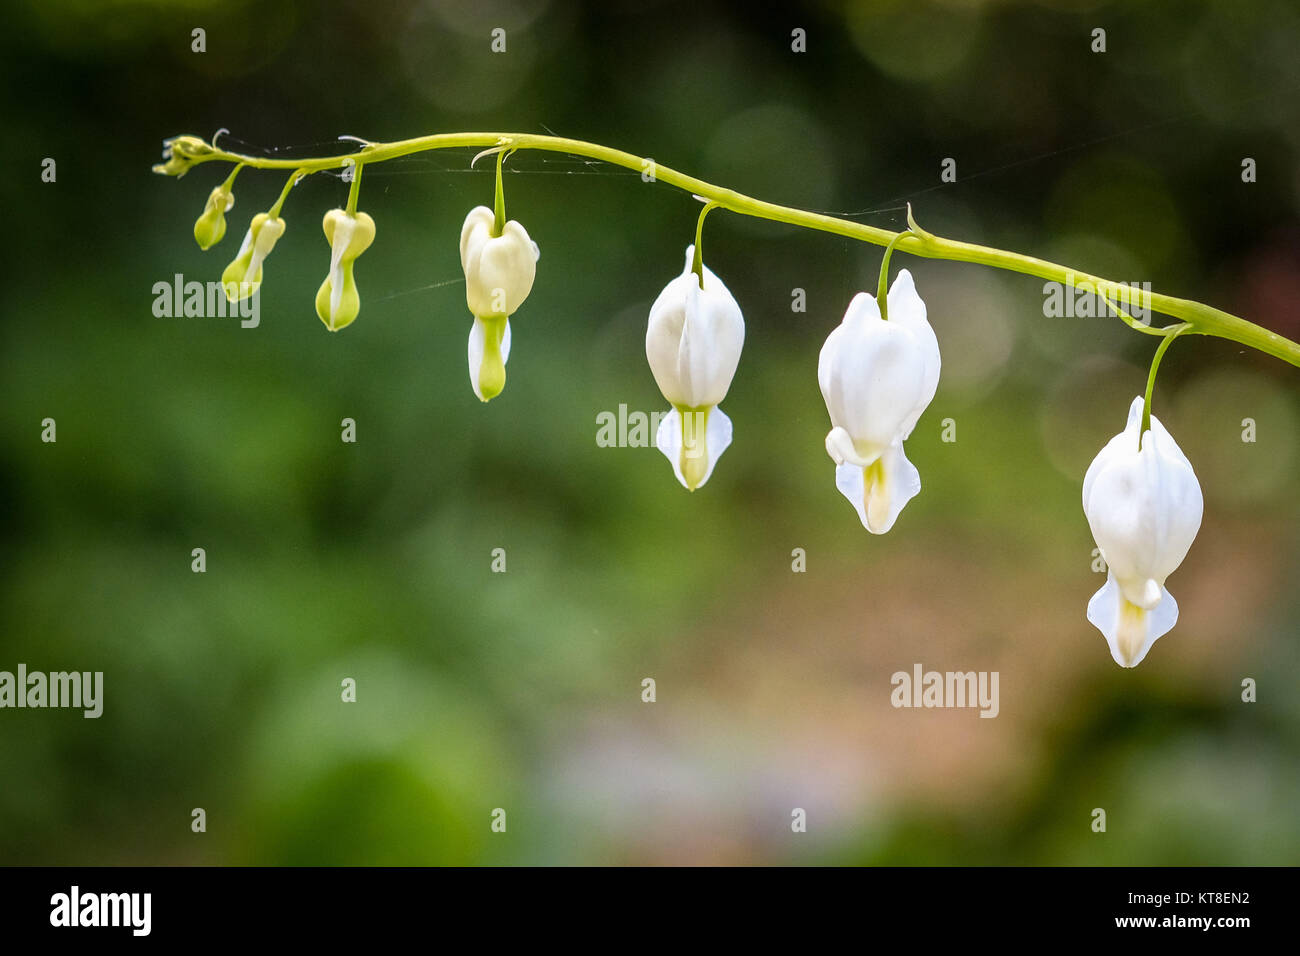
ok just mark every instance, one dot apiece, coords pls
pixel 521 690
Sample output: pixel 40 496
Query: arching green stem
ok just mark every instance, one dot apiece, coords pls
pixel 1204 319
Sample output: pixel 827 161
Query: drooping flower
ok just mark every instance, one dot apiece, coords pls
pixel 349 235
pixel 693 342
pixel 877 377
pixel 1144 505
pixel 243 277
pixel 499 274
pixel 210 227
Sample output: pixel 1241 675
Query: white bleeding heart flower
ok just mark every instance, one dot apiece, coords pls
pixel 693 342
pixel 877 377
pixel 1144 505
pixel 499 274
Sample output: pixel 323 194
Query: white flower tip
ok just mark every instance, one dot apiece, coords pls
pixel 1151 593
pixel 879 490
pixel 1130 630
pixel 690 258
pixel 693 443
pixel 839 445
pixel 1135 411
pixel 488 357
pixel 863 307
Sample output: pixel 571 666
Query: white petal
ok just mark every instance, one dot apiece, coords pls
pixel 713 334
pixel 879 491
pixel 271 231
pixel 248 241
pixel 1128 438
pixel 507 263
pixel 907 309
pixel 663 336
pixel 477 228
pixel 863 308
pixel 839 445
pixel 872 377
pixel 1130 630
pixel 694 338
pixel 1165 444
pixel 343 228
pixel 717 437
pixel 477 335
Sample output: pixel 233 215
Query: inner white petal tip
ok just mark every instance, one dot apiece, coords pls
pixel 717 438
pixel 1130 631
pixel 880 490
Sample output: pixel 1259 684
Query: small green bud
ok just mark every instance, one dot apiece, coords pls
pixel 182 152
pixel 243 277
pixel 349 235
pixel 210 227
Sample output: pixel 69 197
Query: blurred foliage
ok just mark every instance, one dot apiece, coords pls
pixel 521 690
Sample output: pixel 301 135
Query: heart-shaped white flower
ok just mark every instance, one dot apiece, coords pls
pixel 1144 506
pixel 499 274
pixel 877 377
pixel 693 342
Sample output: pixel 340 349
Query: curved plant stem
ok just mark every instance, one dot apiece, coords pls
pixel 882 285
pixel 230 180
pixel 274 211
pixel 1201 319
pixel 697 263
pixel 1163 347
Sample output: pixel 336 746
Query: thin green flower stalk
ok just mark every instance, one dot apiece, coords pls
pixel 243 277
pixel 882 296
pixel 184 152
pixel 1163 347
pixel 697 261
pixel 499 204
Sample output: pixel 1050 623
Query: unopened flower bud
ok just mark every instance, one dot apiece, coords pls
pixel 349 235
pixel 210 227
pixel 181 153
pixel 243 277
